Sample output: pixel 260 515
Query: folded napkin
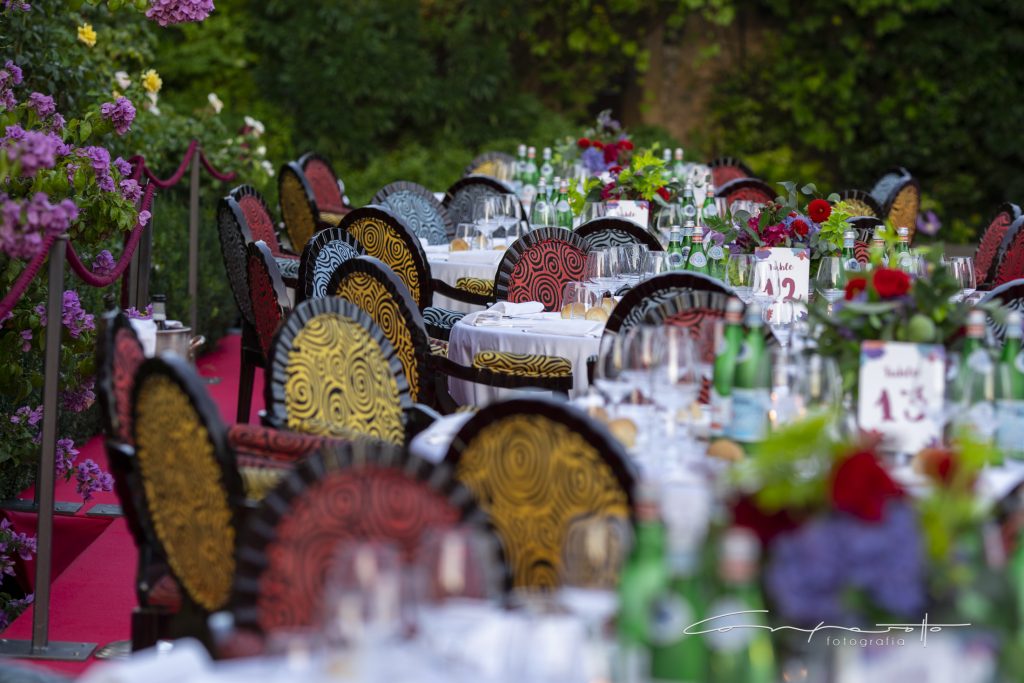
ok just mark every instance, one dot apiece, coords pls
pixel 145 330
pixel 568 328
pixel 433 249
pixel 479 256
pixel 508 308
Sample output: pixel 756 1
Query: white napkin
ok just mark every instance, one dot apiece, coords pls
pixel 508 308
pixel 145 330
pixel 185 660
pixel 478 256
pixel 569 328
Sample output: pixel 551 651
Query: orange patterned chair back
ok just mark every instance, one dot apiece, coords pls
pixel 725 169
pixel 746 189
pixel 538 265
pixel 990 248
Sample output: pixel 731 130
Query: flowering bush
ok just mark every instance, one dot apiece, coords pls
pixel 13 544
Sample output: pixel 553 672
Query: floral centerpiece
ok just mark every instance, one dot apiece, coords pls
pixel 644 179
pixel 600 147
pixel 848 546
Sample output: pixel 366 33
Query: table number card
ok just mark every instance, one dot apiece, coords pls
pixel 794 268
pixel 902 389
pixel 636 211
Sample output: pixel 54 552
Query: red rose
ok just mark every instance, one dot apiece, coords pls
pixel 626 144
pixel 615 169
pixel 799 227
pixel 855 286
pixel 767 525
pixel 664 194
pixel 861 486
pixel 819 210
pixel 597 144
pixel 890 282
pixel 611 153
pixel 583 143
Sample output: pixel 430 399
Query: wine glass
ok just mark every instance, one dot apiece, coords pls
pixel 655 263
pixel 631 260
pixel 592 211
pixel 675 384
pixel 511 217
pixel 962 269
pixel 667 219
pixel 781 316
pixel 458 563
pixel 488 215
pixel 610 372
pixel 593 554
pixel 739 274
pixel 829 279
pixel 765 286
pixel 602 269
pixel 577 299
pixel 363 595
pixel 818 384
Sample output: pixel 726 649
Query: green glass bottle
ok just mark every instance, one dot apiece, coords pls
pixel 849 258
pixel 976 381
pixel 679 169
pixel 741 654
pixel 676 251
pixel 689 205
pixel 751 385
pixel 563 212
pixel 709 210
pixel 725 364
pixel 666 157
pixel 542 213
pixel 531 176
pixel 1010 392
pixel 645 576
pixel 697 260
pixel 904 259
pixel 878 248
pixel 520 168
pixel 547 171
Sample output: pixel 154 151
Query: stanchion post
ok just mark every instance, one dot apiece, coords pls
pixel 193 243
pixel 40 646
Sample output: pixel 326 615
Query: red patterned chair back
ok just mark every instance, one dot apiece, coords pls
pixel 746 189
pixel 986 257
pixel 362 491
pixel 257 216
pixel 725 169
pixel 118 357
pixel 539 264
pixel 1011 255
pixel 324 183
pixel 268 294
pixel 638 302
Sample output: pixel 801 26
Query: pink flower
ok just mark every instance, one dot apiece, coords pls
pixel 166 12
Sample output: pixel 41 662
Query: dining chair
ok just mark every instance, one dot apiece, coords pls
pixel 1010 265
pixel 1009 295
pixel 724 169
pixel 298 206
pixel 605 233
pixel 860 203
pixel 333 372
pixel 270 304
pixel 370 284
pixel 898 193
pixel 534 466
pixel 385 236
pixel 328 249
pixel 418 208
pixel 260 225
pixel 328 191
pixel 498 165
pixel 466 191
pixel 538 265
pixel 990 247
pixel 366 490
pixel 746 189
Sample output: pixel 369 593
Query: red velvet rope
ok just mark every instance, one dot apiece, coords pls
pixel 139 168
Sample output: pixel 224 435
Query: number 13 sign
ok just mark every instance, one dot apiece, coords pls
pixel 901 391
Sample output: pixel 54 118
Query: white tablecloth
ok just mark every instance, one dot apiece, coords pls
pixel 449 267
pixel 518 336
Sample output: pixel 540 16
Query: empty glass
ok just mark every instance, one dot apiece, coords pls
pixel 511 217
pixel 363 595
pixel 609 375
pixel 655 263
pixel 458 563
pixel 595 549
pixel 602 269
pixel 962 269
pixel 466 237
pixel 739 274
pixel 667 219
pixel 577 300
pixel 592 211
pixel 488 214
pixel 830 279
pixel 764 283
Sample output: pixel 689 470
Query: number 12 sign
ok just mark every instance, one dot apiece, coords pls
pixel 794 269
pixel 901 393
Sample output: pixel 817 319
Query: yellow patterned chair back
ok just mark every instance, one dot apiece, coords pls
pixel 190 484
pixel 498 165
pixel 535 466
pixel 385 236
pixel 372 286
pixel 861 203
pixel 899 195
pixel 298 206
pixel 333 372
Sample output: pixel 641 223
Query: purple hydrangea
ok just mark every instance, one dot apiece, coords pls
pixel 26 337
pixel 130 190
pixel 27 415
pixel 34 150
pixel 16 4
pixel 123 167
pixel 91 479
pixel 43 104
pixel 66 456
pixel 79 400
pixel 10 76
pixel 813 569
pixel 24 226
pixel 104 263
pixel 56 122
pixel 99 157
pixel 144 217
pixel 120 112
pixel 166 12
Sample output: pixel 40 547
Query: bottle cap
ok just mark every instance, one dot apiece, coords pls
pixel 738 555
pixel 688 223
pixel 679 153
pixel 547 152
pixel 976 323
pixel 753 317
pixel 850 235
pixel 1014 320
pixel 903 232
pixel 733 311
pixel 648 502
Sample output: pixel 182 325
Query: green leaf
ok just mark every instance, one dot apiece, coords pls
pixel 809 189
pixel 84 131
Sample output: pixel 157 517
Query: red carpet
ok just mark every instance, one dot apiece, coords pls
pixel 93 590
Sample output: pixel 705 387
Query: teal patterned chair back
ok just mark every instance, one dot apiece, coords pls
pixel 418 207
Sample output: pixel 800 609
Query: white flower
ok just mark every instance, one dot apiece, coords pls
pixel 153 97
pixel 261 151
pixel 122 79
pixel 256 125
pixel 215 102
pixel 268 167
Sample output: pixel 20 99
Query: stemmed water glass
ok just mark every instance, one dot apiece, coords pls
pixel 511 216
pixel 830 279
pixel 592 211
pixel 667 219
pixel 962 269
pixel 364 595
pixel 610 373
pixel 602 269
pixel 675 383
pixel 655 263
pixel 488 215
pixel 739 274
